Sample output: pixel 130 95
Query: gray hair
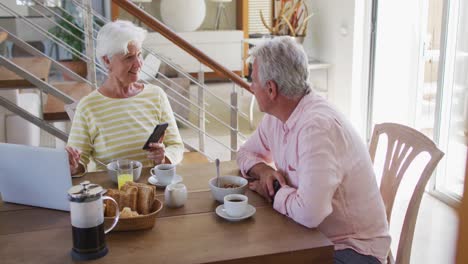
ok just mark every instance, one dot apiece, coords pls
pixel 114 37
pixel 284 61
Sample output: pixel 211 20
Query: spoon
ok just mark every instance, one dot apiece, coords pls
pixel 97 161
pixel 100 162
pixel 217 172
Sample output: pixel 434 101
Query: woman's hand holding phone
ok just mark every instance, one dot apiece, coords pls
pixel 156 152
pixel 154 145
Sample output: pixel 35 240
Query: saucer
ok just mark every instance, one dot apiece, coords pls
pixel 152 180
pixel 222 213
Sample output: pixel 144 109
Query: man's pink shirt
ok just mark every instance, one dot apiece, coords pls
pixel 331 181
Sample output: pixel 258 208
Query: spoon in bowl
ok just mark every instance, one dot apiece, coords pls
pixel 217 172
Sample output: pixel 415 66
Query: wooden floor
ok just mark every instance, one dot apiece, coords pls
pixel 435 234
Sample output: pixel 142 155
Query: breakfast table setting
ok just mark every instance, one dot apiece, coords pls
pixel 190 225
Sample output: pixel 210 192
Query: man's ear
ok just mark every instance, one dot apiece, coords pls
pixel 272 89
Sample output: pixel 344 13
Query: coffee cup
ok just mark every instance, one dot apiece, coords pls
pixel 164 173
pixel 235 205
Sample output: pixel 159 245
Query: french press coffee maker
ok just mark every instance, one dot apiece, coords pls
pixel 87 219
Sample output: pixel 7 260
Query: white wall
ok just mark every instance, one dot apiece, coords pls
pixel 326 42
pixel 153 8
pixel 336 37
pixel 22 10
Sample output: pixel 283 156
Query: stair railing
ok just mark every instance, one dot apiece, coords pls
pixel 157 26
pixel 43 86
pixel 202 90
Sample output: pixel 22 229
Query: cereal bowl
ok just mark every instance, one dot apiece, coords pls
pixel 228 185
pixel 112 170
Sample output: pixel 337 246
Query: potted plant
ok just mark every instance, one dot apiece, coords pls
pixel 70 32
pixel 291 20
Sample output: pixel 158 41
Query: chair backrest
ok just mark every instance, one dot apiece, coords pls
pixel 403 146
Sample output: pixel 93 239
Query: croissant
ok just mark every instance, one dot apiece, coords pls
pixel 127 212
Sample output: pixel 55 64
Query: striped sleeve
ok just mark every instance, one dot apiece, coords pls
pixel 79 137
pixel 172 140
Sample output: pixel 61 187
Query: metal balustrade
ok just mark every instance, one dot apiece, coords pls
pixel 194 103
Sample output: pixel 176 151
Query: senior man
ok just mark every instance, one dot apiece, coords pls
pixel 307 159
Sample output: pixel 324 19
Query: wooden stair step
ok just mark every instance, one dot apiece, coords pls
pixel 3 36
pixel 54 109
pixel 37 66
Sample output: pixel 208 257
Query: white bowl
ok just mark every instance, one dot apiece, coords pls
pixel 112 170
pixel 219 192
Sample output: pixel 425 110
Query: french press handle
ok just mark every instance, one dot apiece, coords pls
pixel 117 213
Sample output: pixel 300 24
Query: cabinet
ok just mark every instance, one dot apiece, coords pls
pixel 225 47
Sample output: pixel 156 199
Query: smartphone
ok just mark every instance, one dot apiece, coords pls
pixel 158 132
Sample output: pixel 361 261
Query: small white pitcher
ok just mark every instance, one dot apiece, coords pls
pixel 175 195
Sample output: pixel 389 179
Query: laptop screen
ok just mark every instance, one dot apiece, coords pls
pixel 34 176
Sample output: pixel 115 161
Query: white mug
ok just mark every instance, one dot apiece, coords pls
pixel 175 195
pixel 235 204
pixel 164 173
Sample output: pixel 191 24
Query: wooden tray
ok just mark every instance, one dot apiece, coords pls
pixel 140 222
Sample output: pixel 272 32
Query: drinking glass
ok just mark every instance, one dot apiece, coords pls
pixel 124 172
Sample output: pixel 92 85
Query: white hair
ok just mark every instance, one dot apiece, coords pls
pixel 114 37
pixel 285 62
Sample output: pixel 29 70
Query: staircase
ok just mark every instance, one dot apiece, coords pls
pixel 42 74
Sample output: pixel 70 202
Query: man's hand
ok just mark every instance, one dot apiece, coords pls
pixel 261 177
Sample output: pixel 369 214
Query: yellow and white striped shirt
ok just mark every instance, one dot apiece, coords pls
pixel 109 128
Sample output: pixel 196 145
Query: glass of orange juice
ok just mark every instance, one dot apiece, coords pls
pixel 124 171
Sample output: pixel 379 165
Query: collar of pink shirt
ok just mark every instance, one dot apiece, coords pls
pixel 297 113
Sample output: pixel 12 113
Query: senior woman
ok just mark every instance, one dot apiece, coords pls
pixel 114 121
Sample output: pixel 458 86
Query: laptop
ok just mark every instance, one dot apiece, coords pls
pixel 34 176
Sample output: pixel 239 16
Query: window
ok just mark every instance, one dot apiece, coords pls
pixel 452 108
pixel 426 83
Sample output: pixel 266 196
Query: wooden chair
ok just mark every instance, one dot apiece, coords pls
pixel 404 145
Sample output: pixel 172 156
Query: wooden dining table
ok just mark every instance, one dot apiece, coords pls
pixel 193 233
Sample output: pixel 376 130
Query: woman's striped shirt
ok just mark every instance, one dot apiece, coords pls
pixel 109 128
